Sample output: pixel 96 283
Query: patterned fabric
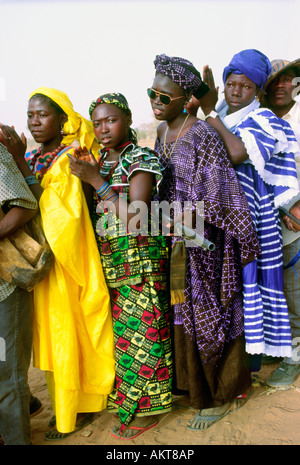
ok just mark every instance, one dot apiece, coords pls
pixel 143 351
pixel 135 269
pixel 269 179
pixel 38 164
pixel 13 192
pixel 112 99
pixel 199 170
pixel 182 72
pixel 127 258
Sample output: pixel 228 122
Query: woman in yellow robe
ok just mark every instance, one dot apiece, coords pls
pixel 73 334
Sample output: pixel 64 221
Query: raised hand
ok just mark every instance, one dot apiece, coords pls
pixel 209 101
pixel 15 144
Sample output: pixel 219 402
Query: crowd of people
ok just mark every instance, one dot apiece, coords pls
pixel 129 315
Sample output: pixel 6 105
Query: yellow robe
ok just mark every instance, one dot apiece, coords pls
pixel 73 332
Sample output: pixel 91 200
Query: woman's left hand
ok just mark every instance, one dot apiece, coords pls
pixel 84 166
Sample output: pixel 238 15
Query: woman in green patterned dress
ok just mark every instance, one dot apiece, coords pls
pixel 134 264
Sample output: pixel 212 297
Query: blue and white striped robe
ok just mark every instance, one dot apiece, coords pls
pixel 269 179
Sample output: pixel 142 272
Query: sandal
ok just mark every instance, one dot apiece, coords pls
pixel 240 400
pixel 55 435
pixel 202 422
pixel 139 429
pixel 52 421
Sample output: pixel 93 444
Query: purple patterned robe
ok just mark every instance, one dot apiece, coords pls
pixel 199 170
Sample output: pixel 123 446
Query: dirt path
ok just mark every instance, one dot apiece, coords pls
pixel 269 418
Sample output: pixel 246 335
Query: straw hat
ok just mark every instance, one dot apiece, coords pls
pixel 277 67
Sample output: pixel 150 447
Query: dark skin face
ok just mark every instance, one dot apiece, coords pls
pixel 239 91
pixel 172 114
pixel 45 123
pixel 111 125
pixel 280 91
pixel 165 85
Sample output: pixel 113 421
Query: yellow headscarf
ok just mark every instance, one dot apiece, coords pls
pixel 77 127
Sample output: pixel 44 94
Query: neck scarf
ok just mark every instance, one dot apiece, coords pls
pixel 232 120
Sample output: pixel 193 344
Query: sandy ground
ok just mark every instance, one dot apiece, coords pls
pixel 270 417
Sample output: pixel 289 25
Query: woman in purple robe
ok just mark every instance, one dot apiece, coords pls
pixel 211 364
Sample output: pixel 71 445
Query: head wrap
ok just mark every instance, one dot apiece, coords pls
pixel 183 73
pixel 119 101
pixel 254 64
pixel 76 127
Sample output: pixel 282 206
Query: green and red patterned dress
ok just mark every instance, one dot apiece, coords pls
pixel 135 268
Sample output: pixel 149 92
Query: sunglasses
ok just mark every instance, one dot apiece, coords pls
pixel 164 98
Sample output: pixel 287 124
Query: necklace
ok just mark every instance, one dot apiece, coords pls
pixel 48 157
pixel 111 170
pixel 114 166
pixel 179 132
pixel 119 146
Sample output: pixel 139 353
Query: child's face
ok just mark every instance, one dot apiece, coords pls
pixel 111 125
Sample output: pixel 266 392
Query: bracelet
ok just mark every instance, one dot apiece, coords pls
pixel 212 114
pixel 102 189
pixel 104 193
pixel 110 197
pixel 113 201
pixel 107 193
pixel 30 180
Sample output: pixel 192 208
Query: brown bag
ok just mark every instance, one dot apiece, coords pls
pixel 25 256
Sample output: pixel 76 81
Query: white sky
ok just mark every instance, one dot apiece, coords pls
pixel 87 48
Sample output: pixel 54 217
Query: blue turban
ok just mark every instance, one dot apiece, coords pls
pixel 254 64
